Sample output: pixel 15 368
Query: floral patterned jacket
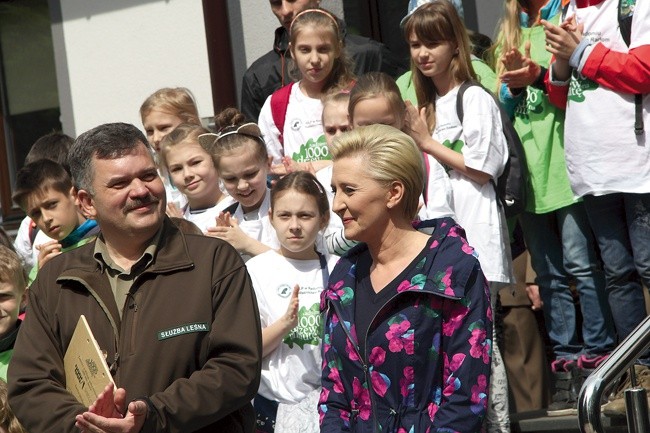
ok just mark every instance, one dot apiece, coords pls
pixel 427 365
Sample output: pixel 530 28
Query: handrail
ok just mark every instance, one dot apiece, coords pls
pixel 620 360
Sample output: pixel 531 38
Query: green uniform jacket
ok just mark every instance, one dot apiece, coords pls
pixel 189 339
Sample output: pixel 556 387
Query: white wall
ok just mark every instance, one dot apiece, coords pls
pixel 111 55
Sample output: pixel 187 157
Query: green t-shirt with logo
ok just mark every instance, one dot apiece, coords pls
pixel 540 126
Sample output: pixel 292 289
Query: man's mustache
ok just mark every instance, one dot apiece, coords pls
pixel 140 202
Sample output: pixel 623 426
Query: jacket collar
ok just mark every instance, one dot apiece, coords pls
pixel 442 231
pixel 171 254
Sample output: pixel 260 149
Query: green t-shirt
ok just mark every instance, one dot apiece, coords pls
pixel 484 73
pixel 4 363
pixel 540 126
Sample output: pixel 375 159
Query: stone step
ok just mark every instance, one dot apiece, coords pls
pixel 540 422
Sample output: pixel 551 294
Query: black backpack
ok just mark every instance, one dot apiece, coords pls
pixel 511 186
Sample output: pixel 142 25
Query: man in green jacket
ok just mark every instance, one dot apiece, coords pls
pixel 174 313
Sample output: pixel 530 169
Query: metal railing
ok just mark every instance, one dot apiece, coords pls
pixel 620 360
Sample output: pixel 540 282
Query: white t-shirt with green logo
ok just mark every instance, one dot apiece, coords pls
pixel 304 140
pixel 481 141
pixel 292 370
pixel 603 154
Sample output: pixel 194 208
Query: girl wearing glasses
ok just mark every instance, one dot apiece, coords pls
pixel 290 119
pixel 192 171
pixel 240 157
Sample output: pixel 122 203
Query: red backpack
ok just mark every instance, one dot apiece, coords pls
pixel 279 104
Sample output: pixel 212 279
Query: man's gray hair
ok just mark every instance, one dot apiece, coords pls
pixel 107 141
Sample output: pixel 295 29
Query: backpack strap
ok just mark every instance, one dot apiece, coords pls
pixel 427 173
pixel 33 231
pixel 459 98
pixel 459 111
pixel 231 209
pixel 279 104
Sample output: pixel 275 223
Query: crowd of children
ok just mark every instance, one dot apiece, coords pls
pixel 264 187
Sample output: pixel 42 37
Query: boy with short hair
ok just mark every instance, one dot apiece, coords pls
pixel 44 191
pixel 13 286
pixel 54 146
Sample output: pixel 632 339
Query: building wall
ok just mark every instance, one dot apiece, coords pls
pixel 111 55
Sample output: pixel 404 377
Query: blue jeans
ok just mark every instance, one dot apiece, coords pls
pixel 562 249
pixel 621 223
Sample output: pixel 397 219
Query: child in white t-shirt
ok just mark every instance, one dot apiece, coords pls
pixel 474 152
pixel 161 112
pixel 288 283
pixel 239 154
pixel 290 119
pixel 193 173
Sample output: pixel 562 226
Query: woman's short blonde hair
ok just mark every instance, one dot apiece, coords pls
pixel 390 155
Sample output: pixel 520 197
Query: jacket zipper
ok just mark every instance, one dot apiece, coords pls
pixel 134 317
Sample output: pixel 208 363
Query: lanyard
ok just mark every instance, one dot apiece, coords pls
pixel 325 273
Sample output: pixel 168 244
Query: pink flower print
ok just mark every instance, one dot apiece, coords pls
pixel 451 382
pixel 380 382
pixel 337 291
pixel 453 232
pixel 322 406
pixel 334 321
pixel 335 377
pixel 360 399
pixel 454 318
pixel 478 390
pixel 401 337
pixel 351 350
pixel 407 382
pixel 433 408
pixel 416 283
pixel 487 296
pixel 324 395
pixel 456 361
pixel 479 395
pixel 377 356
pixel 480 346
pixel 434 244
pixel 345 416
pixel 403 286
pixel 446 281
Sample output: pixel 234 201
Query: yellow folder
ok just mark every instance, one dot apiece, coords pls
pixel 86 370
